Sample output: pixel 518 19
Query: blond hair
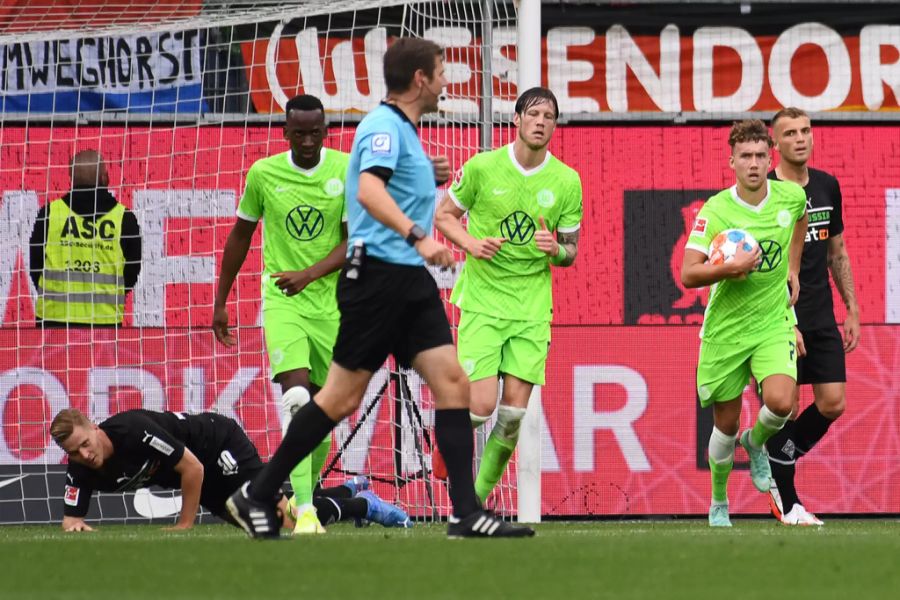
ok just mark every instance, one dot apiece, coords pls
pixel 749 130
pixel 65 422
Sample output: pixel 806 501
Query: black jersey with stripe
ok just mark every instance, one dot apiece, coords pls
pixel 815 307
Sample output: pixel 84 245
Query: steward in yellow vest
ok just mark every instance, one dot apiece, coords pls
pixel 85 251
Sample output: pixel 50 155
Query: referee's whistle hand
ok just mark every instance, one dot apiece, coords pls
pixel 435 253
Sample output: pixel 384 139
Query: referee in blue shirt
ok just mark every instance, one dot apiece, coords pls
pixel 389 302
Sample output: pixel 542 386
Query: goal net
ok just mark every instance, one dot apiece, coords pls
pixel 180 98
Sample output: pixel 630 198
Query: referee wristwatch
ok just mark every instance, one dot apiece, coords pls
pixel 415 234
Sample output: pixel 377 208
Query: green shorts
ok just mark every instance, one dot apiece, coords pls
pixel 724 369
pixel 295 342
pixel 488 346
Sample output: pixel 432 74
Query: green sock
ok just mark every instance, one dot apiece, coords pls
pixel 720 473
pixel 306 474
pixel 767 424
pixel 319 456
pixel 496 455
pixel 302 482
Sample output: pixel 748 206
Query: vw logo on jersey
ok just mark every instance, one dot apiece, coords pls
pixel 305 222
pixel 771 255
pixel 334 187
pixel 518 228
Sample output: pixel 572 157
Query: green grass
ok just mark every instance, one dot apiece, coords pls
pixel 854 560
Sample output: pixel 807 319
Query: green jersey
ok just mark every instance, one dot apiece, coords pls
pixel 504 200
pixel 302 212
pixel 742 310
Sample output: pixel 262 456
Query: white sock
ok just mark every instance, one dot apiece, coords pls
pixel 721 446
pixel 477 420
pixel 291 401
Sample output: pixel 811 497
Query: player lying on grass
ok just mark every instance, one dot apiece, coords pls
pixel 207 456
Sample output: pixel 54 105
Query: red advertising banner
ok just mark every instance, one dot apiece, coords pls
pixel 619 69
pixel 641 187
pixel 629 437
pixel 622 432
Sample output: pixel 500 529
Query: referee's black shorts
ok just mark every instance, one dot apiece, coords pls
pixel 389 309
pixel 824 361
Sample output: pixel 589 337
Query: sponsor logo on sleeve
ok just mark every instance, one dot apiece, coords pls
pixel 458 177
pixel 71 497
pixel 381 143
pixel 699 226
pixel 157 444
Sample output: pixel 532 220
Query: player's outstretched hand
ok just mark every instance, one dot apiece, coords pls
pixel 744 262
pixel 794 285
pixel 76 525
pixel 220 326
pixel 544 240
pixel 435 253
pixel 851 332
pixel 179 527
pixel 441 166
pixel 486 248
pixel 801 345
pixel 292 283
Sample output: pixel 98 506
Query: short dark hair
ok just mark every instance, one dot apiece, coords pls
pixel 789 112
pixel 749 130
pixel 536 95
pixel 405 57
pixel 304 102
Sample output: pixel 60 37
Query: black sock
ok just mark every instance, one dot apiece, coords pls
pixel 307 430
pixel 354 508
pixel 332 510
pixel 338 491
pixel 453 430
pixel 811 427
pixel 327 510
pixel 782 455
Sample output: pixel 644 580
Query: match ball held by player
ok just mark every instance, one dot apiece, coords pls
pixel 725 245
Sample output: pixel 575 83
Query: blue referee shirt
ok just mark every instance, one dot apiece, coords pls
pixel 387 141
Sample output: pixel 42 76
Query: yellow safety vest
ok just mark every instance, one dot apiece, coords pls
pixel 83 278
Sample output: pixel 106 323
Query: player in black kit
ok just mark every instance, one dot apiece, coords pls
pixel 207 456
pixel 820 344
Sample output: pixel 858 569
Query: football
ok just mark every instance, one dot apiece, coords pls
pixel 725 245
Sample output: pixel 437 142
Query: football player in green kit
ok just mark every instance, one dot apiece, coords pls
pixel 299 195
pixel 749 323
pixel 524 210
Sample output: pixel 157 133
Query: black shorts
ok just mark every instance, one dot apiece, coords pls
pixel 824 361
pixel 234 462
pixel 389 309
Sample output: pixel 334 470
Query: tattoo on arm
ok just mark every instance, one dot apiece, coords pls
pixel 839 265
pixel 569 240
